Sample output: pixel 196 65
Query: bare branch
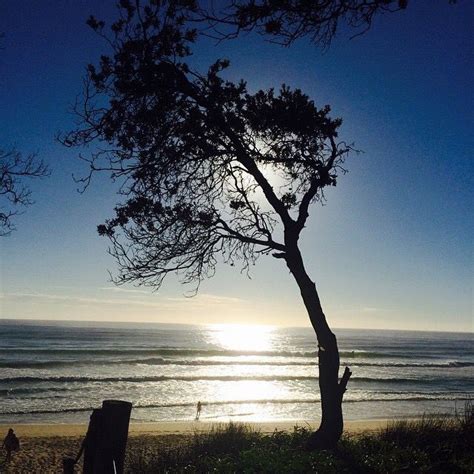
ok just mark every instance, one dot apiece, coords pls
pixel 14 170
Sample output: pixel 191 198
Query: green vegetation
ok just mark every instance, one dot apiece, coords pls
pixel 429 445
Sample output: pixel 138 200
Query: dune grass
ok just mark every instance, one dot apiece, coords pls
pixel 433 444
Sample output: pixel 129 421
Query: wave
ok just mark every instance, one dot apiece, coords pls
pixel 435 365
pixel 51 364
pixel 294 401
pixel 164 351
pixel 197 378
pixel 32 390
pixel 353 354
pixel 159 361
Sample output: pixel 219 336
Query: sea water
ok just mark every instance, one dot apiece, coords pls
pixel 59 372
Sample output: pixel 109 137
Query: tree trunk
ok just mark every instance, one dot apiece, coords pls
pixel 332 390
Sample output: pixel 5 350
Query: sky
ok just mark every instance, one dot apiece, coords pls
pixel 391 248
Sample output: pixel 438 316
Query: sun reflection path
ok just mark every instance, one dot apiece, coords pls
pixel 241 337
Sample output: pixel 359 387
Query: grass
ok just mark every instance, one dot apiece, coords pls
pixel 429 445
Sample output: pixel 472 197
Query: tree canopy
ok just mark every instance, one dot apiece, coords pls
pixel 285 21
pixel 207 167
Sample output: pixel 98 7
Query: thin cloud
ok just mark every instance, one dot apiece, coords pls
pixel 117 289
pixel 182 303
pixel 80 299
pixel 206 299
pixel 357 309
pixel 370 309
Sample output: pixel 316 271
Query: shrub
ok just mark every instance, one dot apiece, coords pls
pixel 429 445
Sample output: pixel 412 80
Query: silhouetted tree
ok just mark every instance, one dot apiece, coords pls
pixel 14 169
pixel 207 168
pixel 288 20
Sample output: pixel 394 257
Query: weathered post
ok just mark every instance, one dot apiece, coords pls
pixel 68 465
pixel 112 440
pixel 90 443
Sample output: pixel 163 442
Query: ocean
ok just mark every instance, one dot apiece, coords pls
pixel 57 372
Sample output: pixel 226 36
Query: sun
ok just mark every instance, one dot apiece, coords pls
pixel 242 337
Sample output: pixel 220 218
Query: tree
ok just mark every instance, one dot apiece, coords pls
pixel 198 157
pixel 285 21
pixel 14 169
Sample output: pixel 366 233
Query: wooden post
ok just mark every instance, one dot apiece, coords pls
pixel 68 465
pixel 112 439
pixel 90 443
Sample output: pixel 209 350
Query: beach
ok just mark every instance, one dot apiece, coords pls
pixel 55 374
pixel 43 446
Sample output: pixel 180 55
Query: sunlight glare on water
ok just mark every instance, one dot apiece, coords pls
pixel 242 337
pixel 245 338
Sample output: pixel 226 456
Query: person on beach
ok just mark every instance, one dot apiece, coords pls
pixel 10 443
pixel 198 410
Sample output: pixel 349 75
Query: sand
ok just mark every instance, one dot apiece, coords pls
pixel 43 446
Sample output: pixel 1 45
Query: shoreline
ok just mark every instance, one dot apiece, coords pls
pixel 64 430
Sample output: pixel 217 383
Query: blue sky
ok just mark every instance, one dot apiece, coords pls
pixel 392 248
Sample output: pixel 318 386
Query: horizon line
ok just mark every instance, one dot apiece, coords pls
pixel 228 323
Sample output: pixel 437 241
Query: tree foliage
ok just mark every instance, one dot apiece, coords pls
pixel 285 21
pixel 207 167
pixel 15 194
